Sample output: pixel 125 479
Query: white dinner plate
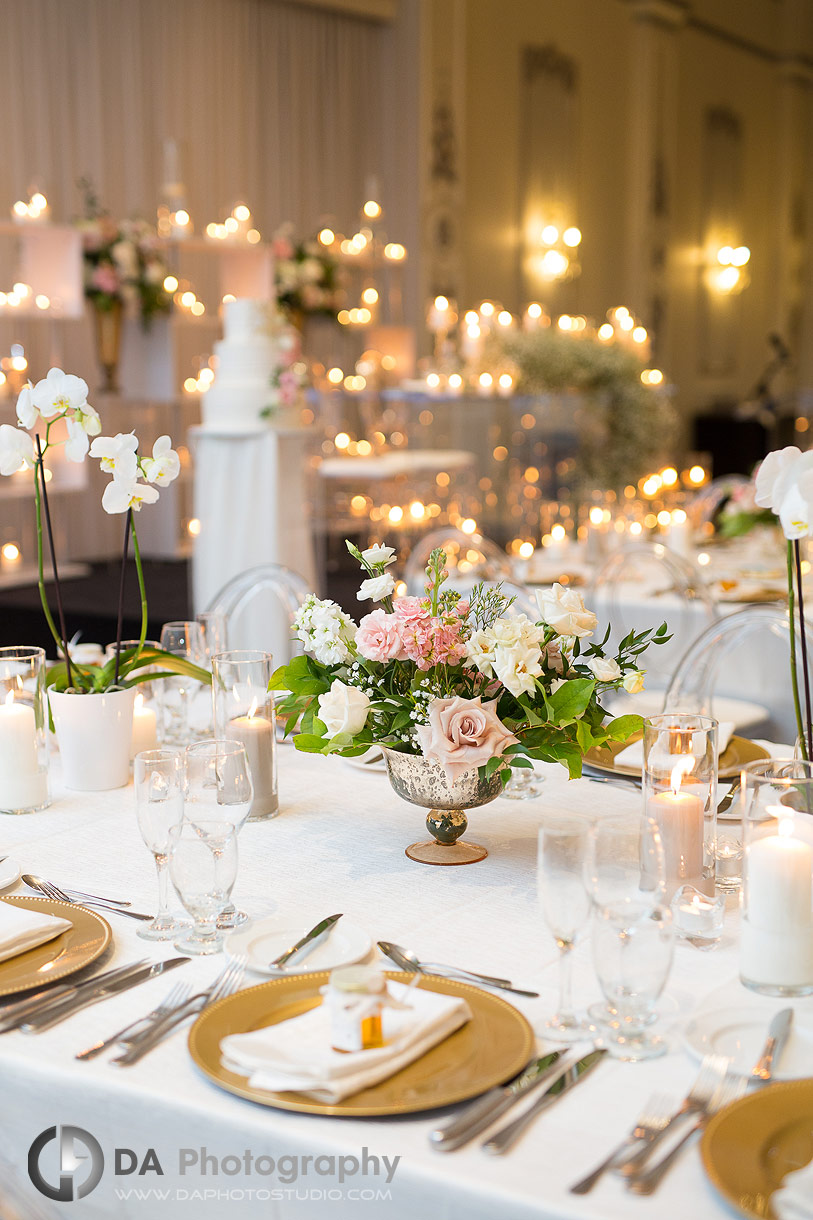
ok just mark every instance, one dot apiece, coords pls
pixel 373 760
pixel 740 1033
pixel 261 940
pixel 9 872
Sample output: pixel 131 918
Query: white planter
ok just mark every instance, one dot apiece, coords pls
pixel 93 733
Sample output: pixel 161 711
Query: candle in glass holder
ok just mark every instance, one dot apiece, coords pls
pixel 679 814
pixel 257 735
pixel 776 945
pixel 697 915
pixel 145 728
pixel 22 784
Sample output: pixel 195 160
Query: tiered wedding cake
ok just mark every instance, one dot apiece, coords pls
pixel 255 352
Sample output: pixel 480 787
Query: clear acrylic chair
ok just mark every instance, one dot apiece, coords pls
pixel 639 587
pixel 705 505
pixel 744 654
pixel 469 558
pixel 259 606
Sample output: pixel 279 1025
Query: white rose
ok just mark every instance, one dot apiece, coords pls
pixel 634 681
pixel 343 709
pixel 516 668
pixel 604 668
pixel 376 588
pixel 480 651
pixel 556 683
pixel 379 554
pixel 563 610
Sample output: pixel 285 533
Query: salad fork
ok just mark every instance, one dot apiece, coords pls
pixel 653 1118
pixel 51 891
pixel 177 996
pixel 706 1084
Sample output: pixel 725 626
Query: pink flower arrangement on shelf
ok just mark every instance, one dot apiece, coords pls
pixel 464 680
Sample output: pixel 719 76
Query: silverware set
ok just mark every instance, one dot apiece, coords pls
pixel 405 959
pixel 77 898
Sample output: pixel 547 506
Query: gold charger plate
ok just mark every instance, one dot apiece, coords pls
pixel 86 939
pixel 749 1146
pixel 489 1049
pixel 737 753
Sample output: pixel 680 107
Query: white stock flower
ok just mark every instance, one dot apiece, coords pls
pixel 634 681
pixel 120 495
pixel 164 465
pixel 27 413
pixel 563 610
pixel 379 554
pixel 376 588
pixel 516 667
pixel 76 446
pixel 343 709
pixel 117 455
pixel 325 630
pixel 16 449
pixel 59 392
pixel 605 669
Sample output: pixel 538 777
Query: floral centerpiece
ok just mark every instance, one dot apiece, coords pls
pixel 306 277
pixel 461 682
pixel 739 512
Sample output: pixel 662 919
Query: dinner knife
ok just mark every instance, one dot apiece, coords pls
pixel 778 1032
pixel 12 1015
pixel 574 1074
pixel 66 1008
pixel 482 1112
pixel 307 942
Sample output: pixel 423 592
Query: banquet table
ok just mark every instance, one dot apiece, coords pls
pixel 338 845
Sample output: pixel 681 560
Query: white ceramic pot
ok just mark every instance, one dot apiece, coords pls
pixel 93 733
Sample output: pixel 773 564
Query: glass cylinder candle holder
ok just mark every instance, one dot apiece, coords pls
pixel 23 731
pixel 244 711
pixel 776 942
pixel 680 794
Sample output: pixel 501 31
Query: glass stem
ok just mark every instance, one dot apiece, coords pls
pixel 565 978
pixel 161 862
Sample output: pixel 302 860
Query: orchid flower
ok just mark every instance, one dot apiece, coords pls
pixel 76 446
pixel 27 413
pixel 164 465
pixel 117 455
pixel 119 495
pixel 15 449
pixel 59 392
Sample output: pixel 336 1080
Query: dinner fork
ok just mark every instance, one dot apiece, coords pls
pixel 224 985
pixel 52 891
pixel 177 996
pixel 708 1080
pixel 652 1119
pixel 646 1181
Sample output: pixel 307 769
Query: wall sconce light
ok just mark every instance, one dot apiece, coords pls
pixel 726 270
pixel 556 259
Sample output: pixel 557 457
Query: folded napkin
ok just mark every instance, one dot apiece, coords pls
pixel 296 1054
pixel 633 755
pixel 794 1201
pixel 22 929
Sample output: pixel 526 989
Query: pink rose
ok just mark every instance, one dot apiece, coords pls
pixel 105 279
pixel 463 734
pixel 378 637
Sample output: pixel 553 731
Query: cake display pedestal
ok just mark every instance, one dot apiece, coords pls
pixel 250 498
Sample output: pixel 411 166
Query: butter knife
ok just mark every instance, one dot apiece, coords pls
pixel 305 944
pixel 572 1075
pixel 728 799
pixel 12 1015
pixel 482 1112
pixel 778 1032
pixel 66 1008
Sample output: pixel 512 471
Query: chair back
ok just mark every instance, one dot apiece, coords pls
pixel 470 558
pixel 259 607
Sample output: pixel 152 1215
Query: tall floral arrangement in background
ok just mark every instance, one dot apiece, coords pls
pixel 463 680
pixel 307 279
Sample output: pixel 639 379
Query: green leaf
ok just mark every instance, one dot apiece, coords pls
pixel 310 743
pixel 624 727
pixel 571 700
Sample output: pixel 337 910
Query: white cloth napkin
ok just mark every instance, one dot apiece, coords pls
pixel 794 1201
pixel 633 755
pixel 22 929
pixel 296 1054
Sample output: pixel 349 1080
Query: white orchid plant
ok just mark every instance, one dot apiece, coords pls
pixel 463 680
pixel 61 399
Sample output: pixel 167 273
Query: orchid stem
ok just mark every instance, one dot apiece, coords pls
pixel 58 590
pixel 127 525
pixel 141 588
pixel 794 677
pixel 808 739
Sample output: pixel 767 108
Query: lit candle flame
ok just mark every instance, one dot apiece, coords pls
pixel 682 767
pixel 9 698
pixel 139 702
pixel 252 711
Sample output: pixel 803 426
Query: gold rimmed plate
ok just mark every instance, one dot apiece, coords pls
pixel 737 753
pixel 749 1146
pixel 76 947
pixel 490 1048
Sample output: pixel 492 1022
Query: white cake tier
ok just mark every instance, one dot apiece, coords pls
pixel 239 405
pixel 252 360
pixel 246 319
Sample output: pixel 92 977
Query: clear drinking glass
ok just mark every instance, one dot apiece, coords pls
pixel 625 867
pixel 181 694
pixel 158 779
pixel 244 712
pixel 632 958
pixel 218 790
pixel 565 906
pixel 215 632
pixel 23 730
pixel 523 785
pixel 203 868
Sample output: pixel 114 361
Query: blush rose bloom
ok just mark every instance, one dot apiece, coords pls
pixel 343 709
pixel 605 669
pixel 463 734
pixel 563 610
pixel 379 638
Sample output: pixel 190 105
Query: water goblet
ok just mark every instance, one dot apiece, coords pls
pixel 203 868
pixel 184 639
pixel 218 789
pixel 158 779
pixel 565 907
pixel 632 956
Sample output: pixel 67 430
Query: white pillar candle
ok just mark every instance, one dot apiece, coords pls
pixel 22 784
pixel 780 881
pixel 679 816
pixel 145 728
pixel 257 735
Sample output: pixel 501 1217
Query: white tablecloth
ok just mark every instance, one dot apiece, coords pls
pixel 338 845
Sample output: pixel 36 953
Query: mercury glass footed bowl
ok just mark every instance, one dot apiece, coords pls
pixel 423 781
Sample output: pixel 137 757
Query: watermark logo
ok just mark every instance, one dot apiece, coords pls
pixel 76 1163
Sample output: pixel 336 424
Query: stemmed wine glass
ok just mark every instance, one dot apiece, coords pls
pixel 203 867
pixel 218 790
pixel 158 778
pixel 632 955
pixel 183 639
pixel 565 906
